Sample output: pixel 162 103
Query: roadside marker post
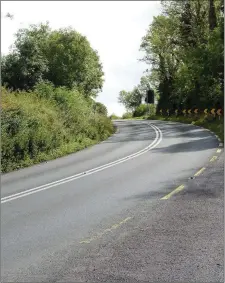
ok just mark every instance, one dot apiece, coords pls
pixel 196 112
pixel 218 112
pixel 213 112
pixel 206 112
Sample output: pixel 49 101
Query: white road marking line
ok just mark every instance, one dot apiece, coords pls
pixel 156 141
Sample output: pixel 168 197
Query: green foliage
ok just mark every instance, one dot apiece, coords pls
pixel 143 109
pixel 130 99
pixel 101 108
pixel 63 57
pixel 44 89
pixel 47 123
pixel 114 117
pixel 127 115
pixel 144 85
pixel 124 98
pixel 184 47
pixel 72 62
pixel 133 99
pixel 27 64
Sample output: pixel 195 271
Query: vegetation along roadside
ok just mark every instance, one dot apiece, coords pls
pixel 184 50
pixel 50 80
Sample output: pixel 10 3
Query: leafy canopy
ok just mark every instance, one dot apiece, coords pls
pixel 63 57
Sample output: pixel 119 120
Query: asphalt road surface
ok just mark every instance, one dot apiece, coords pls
pixel 91 216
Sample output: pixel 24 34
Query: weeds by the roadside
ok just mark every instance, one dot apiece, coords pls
pixel 47 123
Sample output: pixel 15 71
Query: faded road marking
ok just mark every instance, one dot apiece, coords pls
pixel 199 172
pixel 213 158
pixel 99 235
pixel 218 150
pixel 177 190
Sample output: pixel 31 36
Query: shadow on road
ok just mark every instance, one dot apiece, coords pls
pixel 193 190
pixel 199 139
pixel 190 146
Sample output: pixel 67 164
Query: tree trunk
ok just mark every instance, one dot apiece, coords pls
pixel 212 15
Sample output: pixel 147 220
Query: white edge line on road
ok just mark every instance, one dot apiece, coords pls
pixel 156 141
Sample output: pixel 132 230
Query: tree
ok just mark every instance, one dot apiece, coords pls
pixel 161 53
pixel 73 63
pixel 63 57
pixel 144 85
pixel 130 99
pixel 26 65
pixel 212 15
pixel 124 97
pixel 184 47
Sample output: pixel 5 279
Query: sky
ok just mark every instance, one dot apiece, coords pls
pixel 113 28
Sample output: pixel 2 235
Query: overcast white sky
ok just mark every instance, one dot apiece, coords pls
pixel 114 28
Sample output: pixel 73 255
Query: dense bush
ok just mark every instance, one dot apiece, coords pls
pixel 127 115
pixel 143 109
pixel 47 123
pixel 114 117
pixel 100 108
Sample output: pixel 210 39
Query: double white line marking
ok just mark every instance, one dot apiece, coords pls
pixel 156 141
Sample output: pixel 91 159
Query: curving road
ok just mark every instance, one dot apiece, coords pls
pixel 50 210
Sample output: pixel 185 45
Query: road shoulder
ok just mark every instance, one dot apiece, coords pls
pixel 176 240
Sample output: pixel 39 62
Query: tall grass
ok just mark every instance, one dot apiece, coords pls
pixel 47 123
